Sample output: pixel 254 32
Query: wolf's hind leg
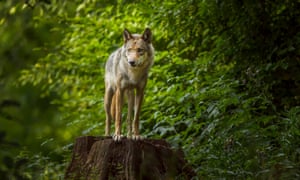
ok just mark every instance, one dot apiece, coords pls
pixel 119 102
pixel 107 105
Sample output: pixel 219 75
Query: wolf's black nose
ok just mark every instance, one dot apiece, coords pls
pixel 132 63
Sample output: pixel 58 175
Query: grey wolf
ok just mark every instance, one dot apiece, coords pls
pixel 126 74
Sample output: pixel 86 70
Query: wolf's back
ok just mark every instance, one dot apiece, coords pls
pixel 111 66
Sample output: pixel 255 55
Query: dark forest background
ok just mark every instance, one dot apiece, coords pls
pixel 225 85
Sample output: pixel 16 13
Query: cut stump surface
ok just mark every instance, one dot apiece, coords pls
pixel 103 158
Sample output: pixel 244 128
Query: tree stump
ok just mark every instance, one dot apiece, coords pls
pixel 103 158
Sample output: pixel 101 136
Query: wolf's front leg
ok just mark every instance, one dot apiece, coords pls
pixel 138 103
pixel 119 102
pixel 130 99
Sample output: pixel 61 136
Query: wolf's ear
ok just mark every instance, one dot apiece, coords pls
pixel 127 35
pixel 147 35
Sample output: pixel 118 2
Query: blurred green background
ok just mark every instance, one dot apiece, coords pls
pixel 225 85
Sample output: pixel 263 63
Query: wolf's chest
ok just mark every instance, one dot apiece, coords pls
pixel 133 79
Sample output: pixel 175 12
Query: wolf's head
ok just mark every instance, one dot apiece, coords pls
pixel 138 48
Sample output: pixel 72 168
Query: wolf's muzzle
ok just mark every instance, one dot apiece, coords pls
pixel 132 63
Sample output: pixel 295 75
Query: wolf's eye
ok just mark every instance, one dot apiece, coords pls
pixel 139 50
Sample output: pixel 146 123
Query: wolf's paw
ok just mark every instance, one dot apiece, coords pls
pixel 137 137
pixel 117 138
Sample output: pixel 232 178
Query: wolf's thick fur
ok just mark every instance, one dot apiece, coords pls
pixel 126 73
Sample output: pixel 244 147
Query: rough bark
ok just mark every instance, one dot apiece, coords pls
pixel 103 158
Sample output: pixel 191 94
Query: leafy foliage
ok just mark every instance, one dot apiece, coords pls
pixel 224 86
